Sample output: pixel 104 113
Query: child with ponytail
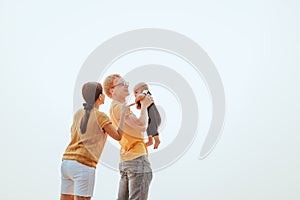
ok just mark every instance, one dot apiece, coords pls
pixel 88 136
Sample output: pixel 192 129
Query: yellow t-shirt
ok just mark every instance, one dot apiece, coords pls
pixel 132 141
pixel 87 148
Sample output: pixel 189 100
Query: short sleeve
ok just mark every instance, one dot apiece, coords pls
pixel 103 119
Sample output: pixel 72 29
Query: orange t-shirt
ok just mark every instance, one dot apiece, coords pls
pixel 132 141
pixel 87 148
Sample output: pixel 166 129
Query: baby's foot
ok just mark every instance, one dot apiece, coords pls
pixel 156 142
pixel 150 141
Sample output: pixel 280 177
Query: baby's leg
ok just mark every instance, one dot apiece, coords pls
pixel 156 141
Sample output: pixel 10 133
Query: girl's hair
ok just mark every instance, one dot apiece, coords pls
pixel 90 93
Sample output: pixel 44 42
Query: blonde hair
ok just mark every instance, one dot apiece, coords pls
pixel 109 83
pixel 141 85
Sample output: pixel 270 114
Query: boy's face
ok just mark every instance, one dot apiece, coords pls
pixel 120 87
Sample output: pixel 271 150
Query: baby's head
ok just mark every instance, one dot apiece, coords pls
pixel 139 88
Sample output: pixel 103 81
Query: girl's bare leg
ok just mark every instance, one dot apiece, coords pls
pixel 66 197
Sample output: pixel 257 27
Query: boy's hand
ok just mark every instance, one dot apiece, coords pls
pixel 147 101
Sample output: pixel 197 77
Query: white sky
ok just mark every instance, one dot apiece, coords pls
pixel 254 45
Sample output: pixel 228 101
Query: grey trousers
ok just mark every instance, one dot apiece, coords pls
pixel 136 176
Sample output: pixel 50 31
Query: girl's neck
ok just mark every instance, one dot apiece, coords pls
pixel 96 105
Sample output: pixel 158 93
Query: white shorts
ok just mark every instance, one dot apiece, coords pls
pixel 77 179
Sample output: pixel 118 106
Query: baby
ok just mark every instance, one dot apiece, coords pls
pixel 140 91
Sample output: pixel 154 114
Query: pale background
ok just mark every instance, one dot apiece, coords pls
pixel 255 46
